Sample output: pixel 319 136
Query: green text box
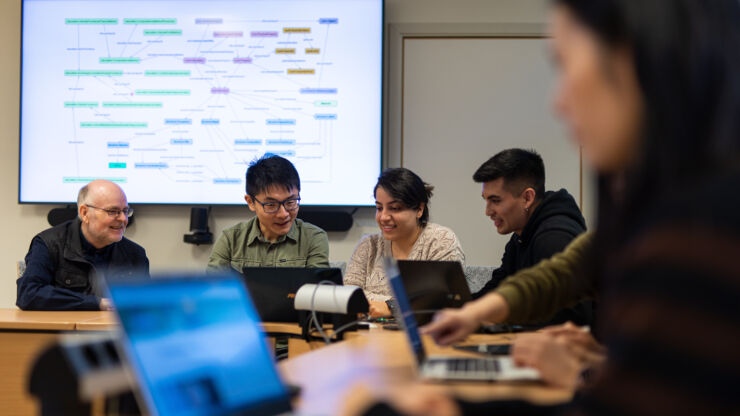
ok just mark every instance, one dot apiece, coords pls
pixel 166 73
pixel 86 104
pixel 162 32
pixel 325 103
pixel 92 73
pixel 104 124
pixel 149 21
pixel 162 92
pixel 74 179
pixel 116 165
pixel 126 104
pixel 91 21
pixel 120 60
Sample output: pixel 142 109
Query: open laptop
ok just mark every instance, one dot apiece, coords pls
pixel 274 288
pixel 432 285
pixel 195 348
pixel 449 368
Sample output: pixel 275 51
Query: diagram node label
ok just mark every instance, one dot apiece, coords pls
pixel 91 21
pixel 296 30
pixel 301 71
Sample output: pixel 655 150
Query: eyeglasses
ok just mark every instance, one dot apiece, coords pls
pixel 272 207
pixel 114 213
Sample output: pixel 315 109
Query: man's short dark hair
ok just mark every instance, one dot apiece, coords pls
pixel 271 170
pixel 520 168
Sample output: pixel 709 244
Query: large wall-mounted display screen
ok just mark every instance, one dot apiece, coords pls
pixel 173 98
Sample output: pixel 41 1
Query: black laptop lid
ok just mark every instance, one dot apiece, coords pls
pixel 433 285
pixel 273 288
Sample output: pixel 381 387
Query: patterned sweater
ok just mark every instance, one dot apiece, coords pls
pixel 365 268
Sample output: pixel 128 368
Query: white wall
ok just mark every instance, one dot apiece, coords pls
pixel 465 11
pixel 485 95
pixel 160 228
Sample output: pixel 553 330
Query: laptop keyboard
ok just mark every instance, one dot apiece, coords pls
pixel 484 369
pixel 466 365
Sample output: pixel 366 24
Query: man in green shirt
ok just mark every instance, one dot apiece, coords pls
pixel 274 237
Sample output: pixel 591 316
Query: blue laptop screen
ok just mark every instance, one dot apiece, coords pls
pixel 404 309
pixel 196 347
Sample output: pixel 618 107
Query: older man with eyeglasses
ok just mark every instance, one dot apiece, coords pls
pixel 63 261
pixel 273 237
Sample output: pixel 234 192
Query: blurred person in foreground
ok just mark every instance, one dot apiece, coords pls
pixel 651 93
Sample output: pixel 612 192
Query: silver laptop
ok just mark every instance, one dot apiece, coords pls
pixel 449 368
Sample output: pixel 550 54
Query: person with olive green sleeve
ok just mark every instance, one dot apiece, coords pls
pixel 274 237
pixel 530 295
pixel 537 293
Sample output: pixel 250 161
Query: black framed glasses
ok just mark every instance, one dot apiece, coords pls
pixel 115 212
pixel 290 204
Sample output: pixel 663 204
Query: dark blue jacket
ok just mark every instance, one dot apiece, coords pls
pixel 61 269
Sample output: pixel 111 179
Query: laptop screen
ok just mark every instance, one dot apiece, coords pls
pixel 273 288
pixel 196 348
pixel 433 285
pixel 405 315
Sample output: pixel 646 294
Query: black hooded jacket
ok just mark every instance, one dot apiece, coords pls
pixel 555 222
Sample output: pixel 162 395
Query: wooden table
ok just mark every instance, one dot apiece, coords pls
pixel 106 321
pixel 381 363
pixel 297 345
pixel 381 360
pixel 23 335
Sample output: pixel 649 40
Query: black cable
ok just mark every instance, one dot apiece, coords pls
pixel 345 327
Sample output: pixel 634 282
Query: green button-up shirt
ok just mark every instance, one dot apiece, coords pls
pixel 243 245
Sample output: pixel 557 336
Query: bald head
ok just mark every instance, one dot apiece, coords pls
pixel 97 190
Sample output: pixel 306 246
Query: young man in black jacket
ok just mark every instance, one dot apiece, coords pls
pixel 541 223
